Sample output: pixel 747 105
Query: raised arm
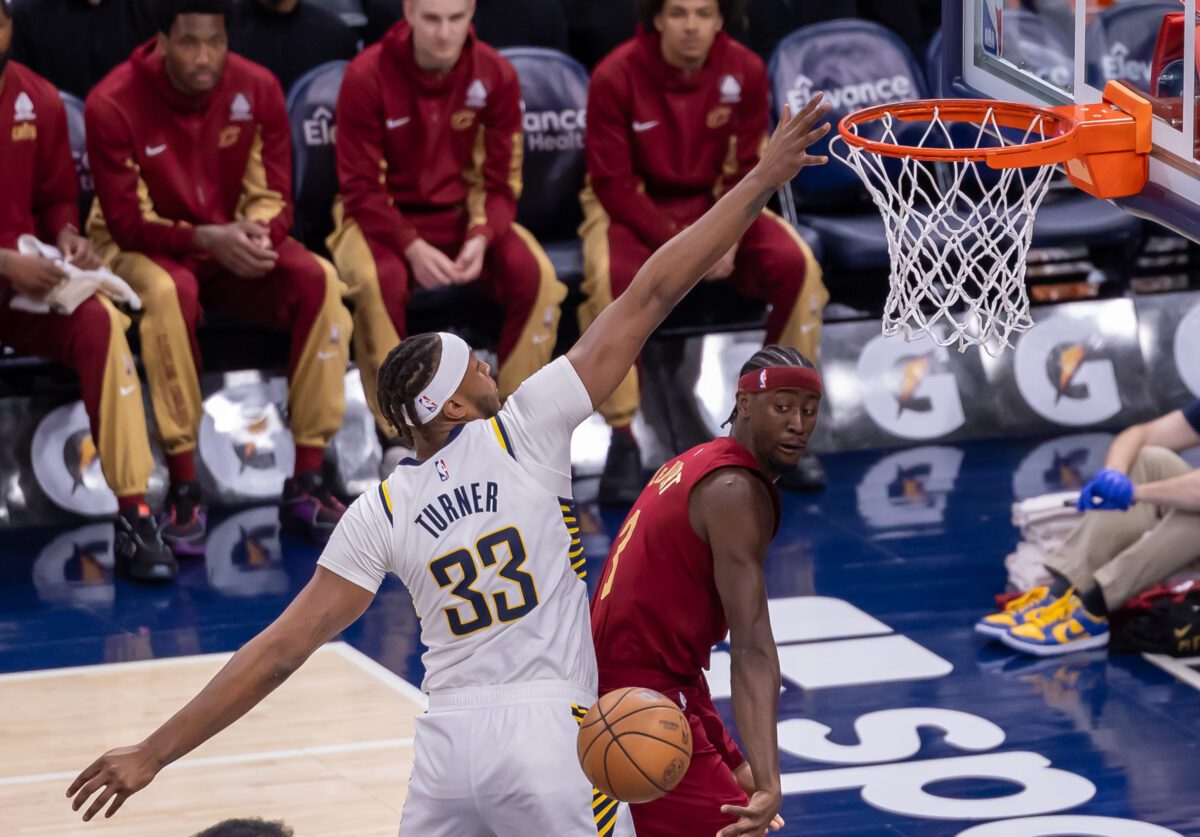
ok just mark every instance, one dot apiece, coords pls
pixel 607 350
pixel 732 511
pixel 325 607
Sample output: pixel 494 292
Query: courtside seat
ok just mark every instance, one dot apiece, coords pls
pixel 858 64
pixel 351 12
pixel 1119 41
pixel 554 88
pixel 78 139
pixel 312 107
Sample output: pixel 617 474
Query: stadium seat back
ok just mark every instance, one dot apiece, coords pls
pixel 857 64
pixel 554 89
pixel 78 139
pixel 312 106
pixel 1039 46
pixel 1120 41
pixel 350 11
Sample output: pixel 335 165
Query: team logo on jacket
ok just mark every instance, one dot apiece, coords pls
pixel 240 110
pixel 442 471
pixel 460 120
pixel 229 136
pixel 23 108
pixel 23 113
pixel 476 95
pixel 731 91
pixel 718 116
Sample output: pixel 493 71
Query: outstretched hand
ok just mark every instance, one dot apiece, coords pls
pixel 787 152
pixel 1109 490
pixel 117 775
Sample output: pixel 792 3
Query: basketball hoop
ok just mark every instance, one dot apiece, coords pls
pixel 959 182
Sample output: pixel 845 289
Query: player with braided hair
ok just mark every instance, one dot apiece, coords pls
pixel 404 373
pixel 686 569
pixel 481 529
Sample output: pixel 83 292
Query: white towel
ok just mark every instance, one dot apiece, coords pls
pixel 79 285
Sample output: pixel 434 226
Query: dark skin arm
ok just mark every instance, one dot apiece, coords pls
pixel 324 608
pixel 604 353
pixel 732 511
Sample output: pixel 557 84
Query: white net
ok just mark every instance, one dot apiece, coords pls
pixel 958 232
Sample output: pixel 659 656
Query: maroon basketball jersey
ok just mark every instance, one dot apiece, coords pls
pixel 656 614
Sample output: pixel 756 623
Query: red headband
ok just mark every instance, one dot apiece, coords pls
pixel 781 377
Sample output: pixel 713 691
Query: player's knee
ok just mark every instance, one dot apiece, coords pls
pixel 161 290
pixel 92 329
pixel 309 283
pixel 785 272
pixel 393 287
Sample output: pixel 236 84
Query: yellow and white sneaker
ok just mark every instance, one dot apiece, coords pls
pixel 1016 612
pixel 1059 628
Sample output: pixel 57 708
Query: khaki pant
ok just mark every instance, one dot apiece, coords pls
pixel 1126 552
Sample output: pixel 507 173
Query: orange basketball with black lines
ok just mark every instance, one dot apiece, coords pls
pixel 634 744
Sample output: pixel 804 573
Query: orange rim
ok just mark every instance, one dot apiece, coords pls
pixel 1056 148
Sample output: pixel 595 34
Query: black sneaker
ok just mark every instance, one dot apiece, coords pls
pixel 185 519
pixel 622 482
pixel 138 548
pixel 309 509
pixel 809 475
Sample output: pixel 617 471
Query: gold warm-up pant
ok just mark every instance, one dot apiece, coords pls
pixel 91 340
pixel 517 274
pixel 1125 552
pixel 302 296
pixel 773 264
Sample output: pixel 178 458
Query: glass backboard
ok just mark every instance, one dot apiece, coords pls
pixel 1060 52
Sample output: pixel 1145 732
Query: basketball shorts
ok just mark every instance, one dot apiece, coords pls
pixel 500 761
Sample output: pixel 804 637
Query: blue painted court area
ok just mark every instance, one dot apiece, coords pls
pixel 904 551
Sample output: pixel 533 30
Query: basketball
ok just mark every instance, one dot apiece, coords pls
pixel 634 745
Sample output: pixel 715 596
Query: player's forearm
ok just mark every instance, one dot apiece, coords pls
pixel 1182 492
pixel 254 672
pixel 756 681
pixel 1124 449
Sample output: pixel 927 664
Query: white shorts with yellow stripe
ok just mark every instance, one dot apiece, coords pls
pixel 501 762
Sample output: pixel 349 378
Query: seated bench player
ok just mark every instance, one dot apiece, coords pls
pixel 190 148
pixel 40 197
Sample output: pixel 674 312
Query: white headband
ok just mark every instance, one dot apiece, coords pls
pixel 456 354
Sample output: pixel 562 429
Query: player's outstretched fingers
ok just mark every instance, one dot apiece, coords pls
pixel 100 802
pixel 98 780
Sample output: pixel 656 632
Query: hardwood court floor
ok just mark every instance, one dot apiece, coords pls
pixel 329 752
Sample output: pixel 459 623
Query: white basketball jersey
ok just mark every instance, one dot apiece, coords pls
pixel 485 537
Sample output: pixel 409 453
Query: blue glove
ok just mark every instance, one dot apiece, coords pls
pixel 1108 491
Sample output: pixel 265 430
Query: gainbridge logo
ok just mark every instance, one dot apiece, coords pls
pixel 1063 375
pixel 906 389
